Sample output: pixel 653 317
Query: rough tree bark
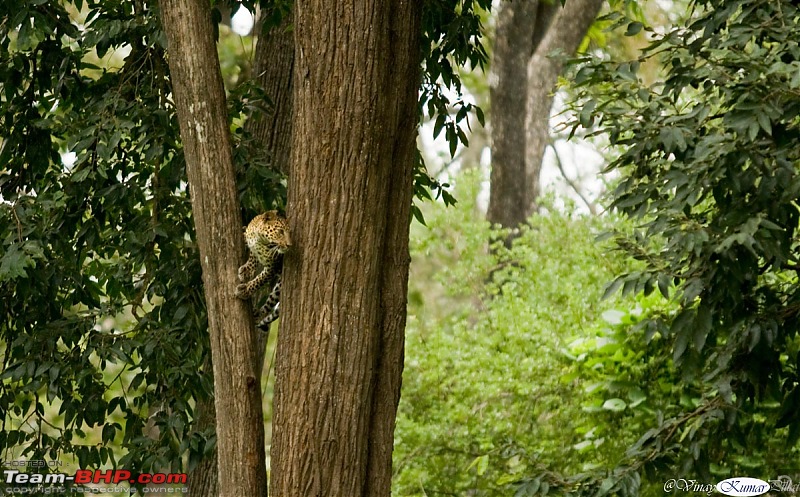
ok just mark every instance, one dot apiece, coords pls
pixel 200 103
pixel 340 349
pixel 521 88
pixel 510 195
pixel 274 59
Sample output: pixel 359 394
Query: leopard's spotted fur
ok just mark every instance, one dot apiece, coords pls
pixel 267 238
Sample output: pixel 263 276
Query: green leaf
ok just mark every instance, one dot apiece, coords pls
pixel 439 124
pixel 480 463
pixel 702 326
pixel 418 215
pixel 795 82
pixel 108 432
pixel 605 487
pixel 25 36
pixel 634 28
pixel 452 138
pixel 663 285
pixel 752 130
pixel 586 117
pixel 636 396
pixel 13 263
pixel 764 122
pixel 680 328
pixel 480 116
pixel 615 405
pixel 612 288
pixel 483 464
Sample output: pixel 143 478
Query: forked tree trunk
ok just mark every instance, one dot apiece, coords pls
pixel 521 87
pixel 511 195
pixel 340 349
pixel 200 104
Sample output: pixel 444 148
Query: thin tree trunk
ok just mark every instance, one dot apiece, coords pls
pixel 274 59
pixel 340 349
pixel 273 66
pixel 272 132
pixel 200 103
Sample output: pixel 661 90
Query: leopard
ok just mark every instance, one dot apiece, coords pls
pixel 267 237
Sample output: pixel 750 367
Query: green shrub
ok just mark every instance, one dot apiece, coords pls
pixel 489 388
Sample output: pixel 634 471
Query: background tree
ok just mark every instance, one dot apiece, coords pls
pixel 532 40
pixel 643 409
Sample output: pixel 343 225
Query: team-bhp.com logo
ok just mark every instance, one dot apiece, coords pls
pixel 84 476
pixel 743 487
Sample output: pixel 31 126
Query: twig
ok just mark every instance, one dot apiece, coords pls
pixel 19 223
pixel 591 205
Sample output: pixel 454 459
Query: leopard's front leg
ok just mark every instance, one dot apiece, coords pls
pixel 246 290
pixel 248 269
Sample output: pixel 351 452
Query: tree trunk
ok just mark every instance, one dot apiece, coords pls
pixel 508 85
pixel 200 103
pixel 340 349
pixel 273 64
pixel 521 89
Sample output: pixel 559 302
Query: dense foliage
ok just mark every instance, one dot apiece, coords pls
pixel 486 394
pixel 518 375
pixel 99 275
pixel 709 163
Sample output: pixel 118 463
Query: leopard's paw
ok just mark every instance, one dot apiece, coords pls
pixel 242 292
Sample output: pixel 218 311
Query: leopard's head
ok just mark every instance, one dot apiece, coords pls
pixel 269 231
